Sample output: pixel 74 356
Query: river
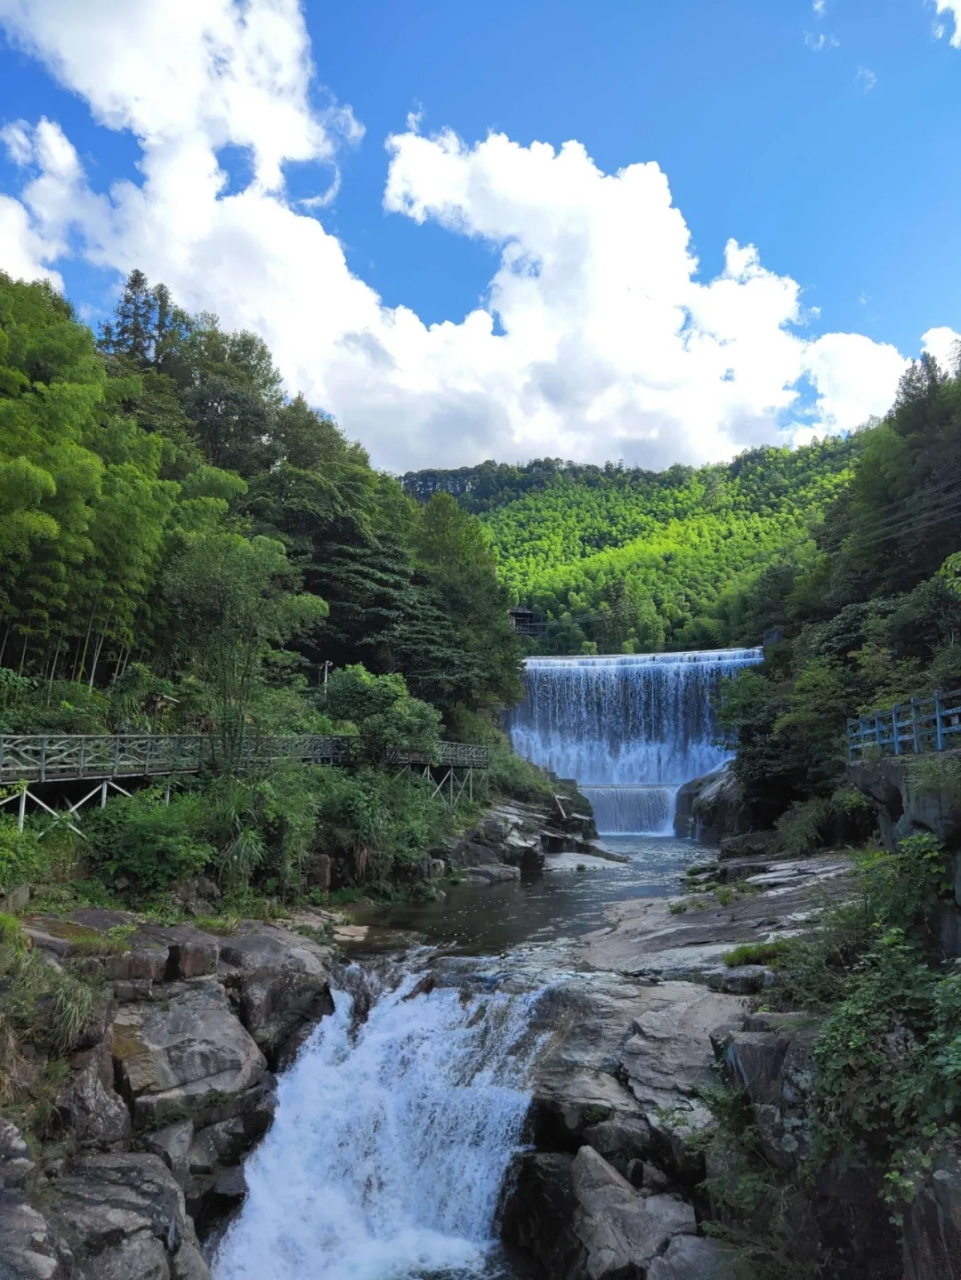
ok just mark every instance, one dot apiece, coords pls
pixel 394 1130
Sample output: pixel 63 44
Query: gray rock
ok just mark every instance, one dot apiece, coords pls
pixel 191 953
pixel 621 1141
pixel 494 872
pixel 281 986
pixel 539 1212
pixel 145 960
pixel 775 1068
pixel 620 1231
pixel 123 1216
pixel 16 1163
pixel 173 1057
pixel 740 980
pixel 189 1264
pixel 694 1258
pixel 173 1145
pixel 30 1249
pixel 88 1105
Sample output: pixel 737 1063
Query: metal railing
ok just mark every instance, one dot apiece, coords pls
pixel 63 757
pixel 908 728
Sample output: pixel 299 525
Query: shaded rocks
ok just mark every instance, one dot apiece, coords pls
pixel 581 1220
pixel 753 844
pixel 932 1223
pixel 695 1258
pixel 30 1249
pixel 170 1058
pixel 711 808
pixel 281 988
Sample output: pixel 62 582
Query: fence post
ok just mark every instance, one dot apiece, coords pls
pixel 43 759
pixel 938 725
pixel 897 733
pixel 877 733
pixel 22 808
pixel 916 724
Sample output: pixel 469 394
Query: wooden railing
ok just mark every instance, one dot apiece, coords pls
pixel 928 724
pixel 62 757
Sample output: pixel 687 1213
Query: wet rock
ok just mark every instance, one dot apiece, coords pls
pixel 539 1213
pixel 621 1142
pixel 172 1057
pixel 88 1105
pixel 281 987
pixel 711 808
pixel 494 872
pixel 695 1258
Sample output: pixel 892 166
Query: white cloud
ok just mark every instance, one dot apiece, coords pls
pixel 953 8
pixel 609 344
pixel 943 344
pixel 819 42
pixel 819 7
pixel 866 78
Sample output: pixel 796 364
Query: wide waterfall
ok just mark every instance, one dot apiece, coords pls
pixel 630 728
pixel 391 1140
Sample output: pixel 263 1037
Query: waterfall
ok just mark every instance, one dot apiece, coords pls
pixel 391 1141
pixel 631 722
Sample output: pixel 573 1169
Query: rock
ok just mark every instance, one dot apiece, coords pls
pixel 145 960
pixel 620 1232
pixel 494 873
pixel 932 1224
pixel 30 1249
pixel 281 986
pixel 15 900
pixel 172 1057
pixel 740 980
pixel 753 844
pixel 539 1212
pixel 173 1145
pixel 87 1104
pixel 903 805
pixel 188 1264
pixel 694 1258
pixel 317 871
pixel 621 1142
pixel 711 808
pixel 191 953
pixel 774 1065
pixel 16 1163
pixel 123 1216
pixel 437 868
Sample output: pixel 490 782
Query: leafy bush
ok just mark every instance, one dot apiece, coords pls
pixel 43 1005
pixel 151 844
pixel 387 718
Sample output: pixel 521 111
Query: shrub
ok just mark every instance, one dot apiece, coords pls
pixel 148 842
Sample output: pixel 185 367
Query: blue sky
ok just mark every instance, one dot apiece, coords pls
pixel 824 135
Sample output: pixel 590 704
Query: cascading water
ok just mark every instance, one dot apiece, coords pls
pixel 391 1141
pixel 629 728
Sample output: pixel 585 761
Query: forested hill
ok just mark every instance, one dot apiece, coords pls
pixel 632 560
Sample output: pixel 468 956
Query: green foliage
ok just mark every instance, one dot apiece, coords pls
pixel 45 1006
pixel 150 845
pixel 755 953
pixel 388 720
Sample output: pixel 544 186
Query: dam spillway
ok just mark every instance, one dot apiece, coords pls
pixel 630 728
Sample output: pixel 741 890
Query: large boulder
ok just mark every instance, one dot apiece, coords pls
pixel 30 1248
pixel 711 808
pixel 125 1219
pixel 696 1258
pixel 281 987
pixel 581 1220
pixel 181 1056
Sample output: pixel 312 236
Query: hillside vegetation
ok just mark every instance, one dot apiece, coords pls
pixel 624 560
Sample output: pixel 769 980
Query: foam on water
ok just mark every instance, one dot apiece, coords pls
pixel 390 1143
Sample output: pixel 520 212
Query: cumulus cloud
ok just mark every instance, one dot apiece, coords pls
pixel 597 338
pixel 866 78
pixel 817 43
pixel 952 8
pixel 945 345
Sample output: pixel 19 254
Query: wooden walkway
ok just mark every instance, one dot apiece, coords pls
pixel 456 771
pixel 908 728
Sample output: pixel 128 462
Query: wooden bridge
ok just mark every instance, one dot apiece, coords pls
pixel 457 769
pixel 907 728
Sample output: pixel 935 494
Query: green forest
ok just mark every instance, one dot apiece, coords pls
pixel 185 548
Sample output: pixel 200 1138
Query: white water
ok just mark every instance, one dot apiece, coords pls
pixel 389 1147
pixel 633 810
pixel 628 721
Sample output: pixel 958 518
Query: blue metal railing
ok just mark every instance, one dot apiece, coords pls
pixel 908 728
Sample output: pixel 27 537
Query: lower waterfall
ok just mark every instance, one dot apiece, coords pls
pixel 633 810
pixel 628 722
pixel 391 1141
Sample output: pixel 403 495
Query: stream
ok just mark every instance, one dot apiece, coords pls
pixel 394 1130
pixel 397 1123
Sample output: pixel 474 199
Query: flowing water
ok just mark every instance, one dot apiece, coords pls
pixel 629 728
pixel 397 1123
